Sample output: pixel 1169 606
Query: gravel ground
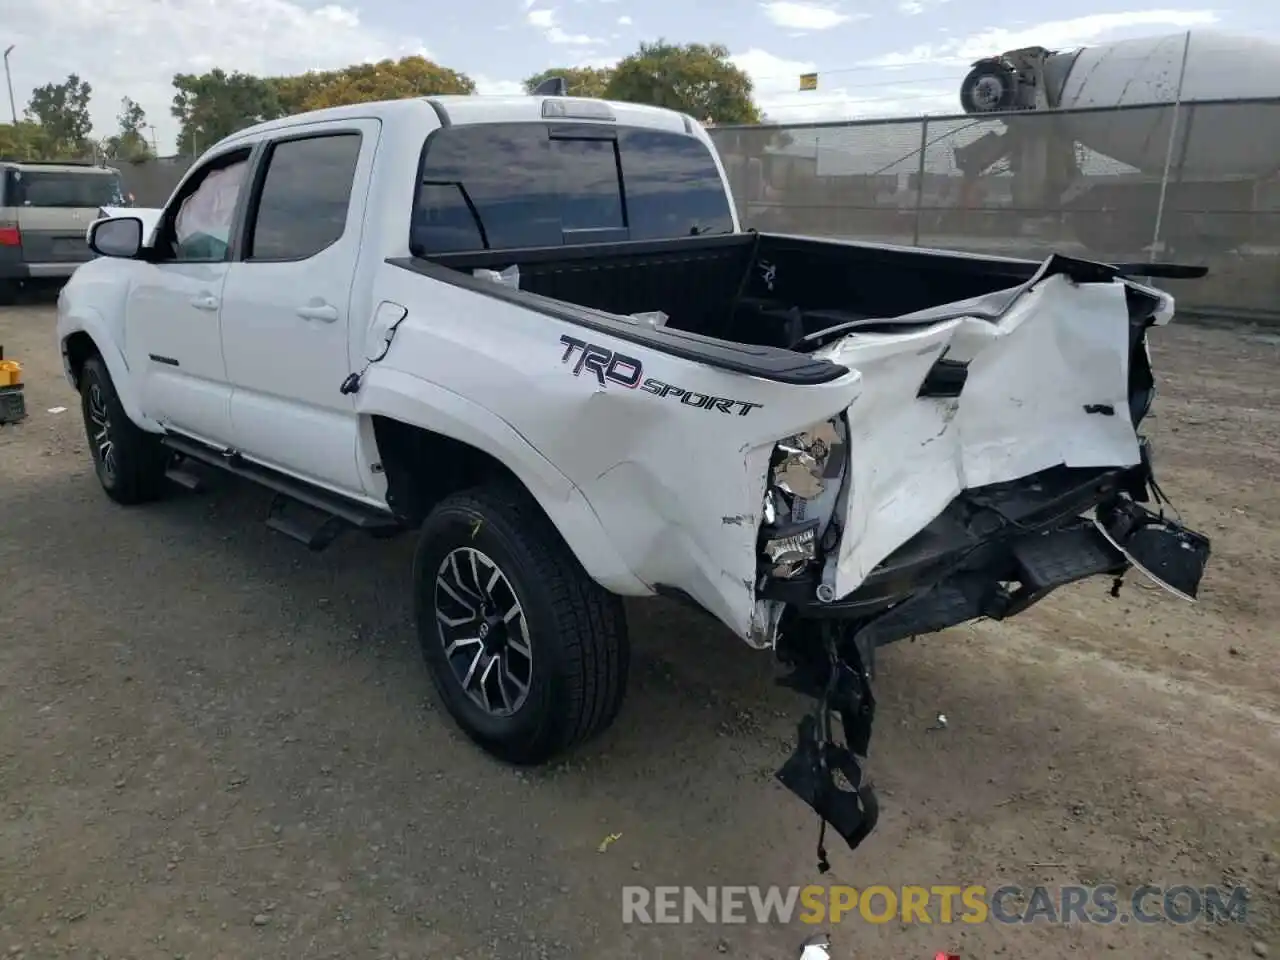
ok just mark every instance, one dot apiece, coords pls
pixel 216 745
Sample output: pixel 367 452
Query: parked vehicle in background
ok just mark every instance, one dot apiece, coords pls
pixel 45 209
pixel 531 330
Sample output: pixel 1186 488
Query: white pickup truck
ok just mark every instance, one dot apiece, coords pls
pixel 532 330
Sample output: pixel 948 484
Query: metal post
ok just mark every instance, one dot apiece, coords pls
pixel 924 147
pixel 13 107
pixel 817 159
pixel 1168 154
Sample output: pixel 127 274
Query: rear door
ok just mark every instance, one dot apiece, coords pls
pixel 287 305
pixel 54 209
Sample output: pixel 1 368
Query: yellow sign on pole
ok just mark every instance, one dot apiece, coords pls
pixel 808 81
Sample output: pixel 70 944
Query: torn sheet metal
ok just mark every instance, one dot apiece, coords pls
pixel 804 466
pixel 1058 352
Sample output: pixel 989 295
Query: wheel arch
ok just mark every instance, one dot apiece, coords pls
pixel 85 340
pixel 418 430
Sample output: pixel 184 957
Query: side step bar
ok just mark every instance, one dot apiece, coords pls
pixel 305 513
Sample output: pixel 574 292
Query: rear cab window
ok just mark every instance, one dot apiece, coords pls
pixel 62 189
pixel 536 184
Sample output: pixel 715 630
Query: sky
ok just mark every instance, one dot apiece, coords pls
pixel 872 57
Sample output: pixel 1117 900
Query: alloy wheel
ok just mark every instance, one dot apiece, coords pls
pixel 484 631
pixel 100 431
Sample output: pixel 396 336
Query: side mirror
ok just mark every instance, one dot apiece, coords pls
pixel 119 237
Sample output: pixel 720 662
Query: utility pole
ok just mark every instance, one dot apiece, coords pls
pixel 155 146
pixel 13 108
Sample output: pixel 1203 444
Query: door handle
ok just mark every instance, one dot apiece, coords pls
pixel 205 302
pixel 322 312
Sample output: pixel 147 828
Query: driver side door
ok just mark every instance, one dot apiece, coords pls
pixel 173 331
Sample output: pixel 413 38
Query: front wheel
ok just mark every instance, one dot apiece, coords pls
pixel 129 461
pixel 529 655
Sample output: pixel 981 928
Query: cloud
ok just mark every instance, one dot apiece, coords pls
pixel 545 20
pixel 911 8
pixel 801 15
pixel 1054 34
pixel 489 87
pixel 558 36
pixel 776 82
pixel 134 47
pixel 625 20
pixel 771 74
pixel 596 63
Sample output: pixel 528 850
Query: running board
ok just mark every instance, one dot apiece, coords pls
pixel 305 513
pixel 177 473
pixel 312 528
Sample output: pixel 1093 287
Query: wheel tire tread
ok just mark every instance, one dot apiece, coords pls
pixel 590 622
pixel 140 457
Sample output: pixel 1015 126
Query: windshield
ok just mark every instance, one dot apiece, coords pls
pixel 41 188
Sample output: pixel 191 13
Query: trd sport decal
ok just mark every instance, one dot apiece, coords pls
pixel 610 367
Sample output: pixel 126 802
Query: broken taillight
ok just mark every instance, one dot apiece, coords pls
pixel 10 236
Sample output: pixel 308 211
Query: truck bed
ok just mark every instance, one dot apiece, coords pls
pixel 757 289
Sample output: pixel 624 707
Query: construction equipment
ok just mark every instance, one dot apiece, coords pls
pixel 1212 161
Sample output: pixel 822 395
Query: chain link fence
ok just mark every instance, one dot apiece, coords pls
pixel 1193 183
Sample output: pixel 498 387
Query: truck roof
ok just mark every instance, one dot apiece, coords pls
pixel 462 109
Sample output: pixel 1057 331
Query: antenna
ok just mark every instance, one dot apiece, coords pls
pixel 552 87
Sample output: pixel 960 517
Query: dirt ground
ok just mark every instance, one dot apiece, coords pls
pixel 216 745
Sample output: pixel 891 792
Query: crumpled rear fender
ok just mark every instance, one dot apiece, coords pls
pixel 410 399
pixel 676 464
pixel 670 455
pixel 1044 382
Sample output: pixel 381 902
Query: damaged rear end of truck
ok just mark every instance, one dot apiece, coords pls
pixel 966 459
pixel 826 445
pixel 992 455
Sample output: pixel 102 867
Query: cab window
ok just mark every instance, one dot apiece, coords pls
pixel 302 205
pixel 202 228
pixel 198 224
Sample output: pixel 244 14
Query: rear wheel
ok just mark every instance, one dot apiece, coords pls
pixel 529 655
pixel 130 463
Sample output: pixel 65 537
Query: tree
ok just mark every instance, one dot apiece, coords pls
pixel 129 142
pixel 62 109
pixel 25 141
pixel 213 105
pixel 367 82
pixel 581 81
pixel 697 79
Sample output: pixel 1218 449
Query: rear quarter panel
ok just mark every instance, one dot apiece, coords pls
pixel 675 485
